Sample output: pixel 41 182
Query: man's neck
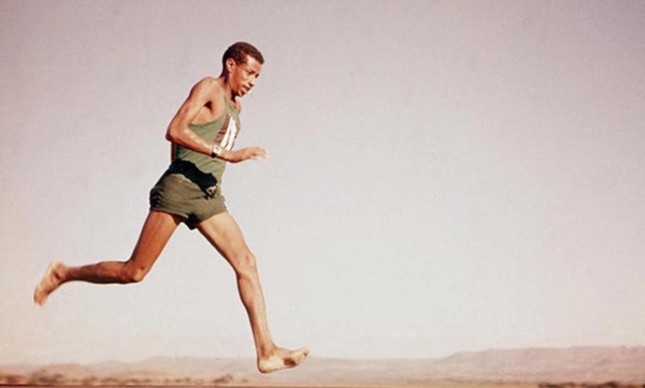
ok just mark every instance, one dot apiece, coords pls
pixel 228 92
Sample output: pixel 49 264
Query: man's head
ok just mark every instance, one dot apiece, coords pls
pixel 241 65
pixel 238 52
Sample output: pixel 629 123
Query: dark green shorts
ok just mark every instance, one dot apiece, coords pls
pixel 177 195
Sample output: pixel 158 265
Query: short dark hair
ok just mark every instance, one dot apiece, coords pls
pixel 238 52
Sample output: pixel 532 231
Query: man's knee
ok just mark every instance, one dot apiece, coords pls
pixel 245 264
pixel 133 274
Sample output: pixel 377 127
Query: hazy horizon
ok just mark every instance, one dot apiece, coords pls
pixel 445 176
pixel 251 358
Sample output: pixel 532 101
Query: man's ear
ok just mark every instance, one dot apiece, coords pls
pixel 230 64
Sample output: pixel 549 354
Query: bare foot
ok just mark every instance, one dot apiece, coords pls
pixel 50 281
pixel 282 359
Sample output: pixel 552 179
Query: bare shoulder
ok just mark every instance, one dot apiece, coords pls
pixel 208 85
pixel 206 100
pixel 208 91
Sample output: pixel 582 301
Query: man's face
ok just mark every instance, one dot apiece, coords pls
pixel 242 76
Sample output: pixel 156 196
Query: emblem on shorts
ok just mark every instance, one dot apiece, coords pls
pixel 210 191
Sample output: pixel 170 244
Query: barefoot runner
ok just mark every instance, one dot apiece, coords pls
pixel 202 135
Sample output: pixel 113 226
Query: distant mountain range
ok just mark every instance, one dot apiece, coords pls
pixel 582 365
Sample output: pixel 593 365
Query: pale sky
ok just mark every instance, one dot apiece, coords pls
pixel 444 176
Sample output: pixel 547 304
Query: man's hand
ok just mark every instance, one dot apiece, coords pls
pixel 244 154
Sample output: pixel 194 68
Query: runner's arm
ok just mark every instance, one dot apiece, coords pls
pixel 178 131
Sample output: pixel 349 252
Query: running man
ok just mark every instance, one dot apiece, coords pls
pixel 202 135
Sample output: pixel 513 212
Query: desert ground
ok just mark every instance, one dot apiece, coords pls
pixel 590 367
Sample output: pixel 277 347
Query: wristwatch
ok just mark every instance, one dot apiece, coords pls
pixel 217 150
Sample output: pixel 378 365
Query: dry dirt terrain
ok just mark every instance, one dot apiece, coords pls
pixel 592 367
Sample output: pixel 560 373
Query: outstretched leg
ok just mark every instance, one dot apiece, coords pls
pixel 155 233
pixel 223 233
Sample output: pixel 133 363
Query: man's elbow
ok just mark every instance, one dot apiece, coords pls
pixel 171 135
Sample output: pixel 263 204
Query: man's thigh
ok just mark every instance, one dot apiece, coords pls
pixel 222 231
